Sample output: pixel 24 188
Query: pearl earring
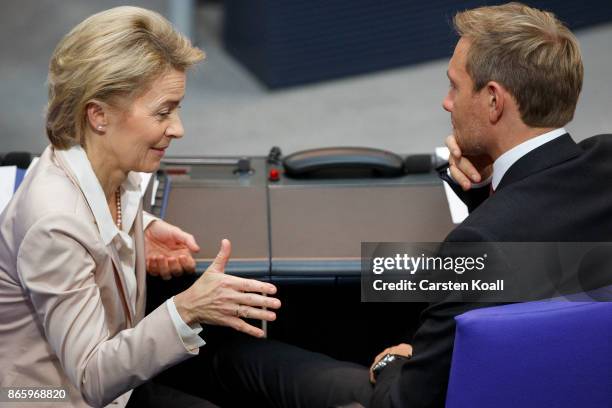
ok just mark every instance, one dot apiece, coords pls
pixel 100 127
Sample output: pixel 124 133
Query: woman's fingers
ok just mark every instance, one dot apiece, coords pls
pixel 220 299
pixel 152 266
pixel 174 267
pixel 251 285
pixel 247 312
pixel 187 263
pixel 192 244
pixel 240 325
pixel 167 267
pixel 184 238
pixel 256 300
pixel 163 268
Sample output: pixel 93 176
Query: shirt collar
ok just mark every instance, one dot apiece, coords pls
pixel 131 195
pixel 506 160
pixel 77 161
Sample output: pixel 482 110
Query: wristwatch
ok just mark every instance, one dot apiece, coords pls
pixel 385 361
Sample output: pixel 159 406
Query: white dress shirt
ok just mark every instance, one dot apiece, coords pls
pixel 507 159
pixel 131 194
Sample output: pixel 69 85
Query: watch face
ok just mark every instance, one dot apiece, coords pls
pixel 385 361
pixel 382 364
pixel 388 358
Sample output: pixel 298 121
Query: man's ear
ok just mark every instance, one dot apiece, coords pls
pixel 97 116
pixel 496 98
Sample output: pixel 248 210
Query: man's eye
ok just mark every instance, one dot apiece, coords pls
pixel 163 114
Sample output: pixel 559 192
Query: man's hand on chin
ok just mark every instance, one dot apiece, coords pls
pixel 464 170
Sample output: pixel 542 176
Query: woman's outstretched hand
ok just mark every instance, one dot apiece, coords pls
pixel 226 300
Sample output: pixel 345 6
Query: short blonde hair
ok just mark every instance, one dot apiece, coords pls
pixel 531 53
pixel 115 53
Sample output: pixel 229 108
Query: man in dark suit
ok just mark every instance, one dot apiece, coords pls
pixel 515 78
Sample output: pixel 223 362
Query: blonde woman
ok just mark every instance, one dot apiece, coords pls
pixel 72 243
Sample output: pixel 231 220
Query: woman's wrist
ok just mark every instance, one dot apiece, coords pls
pixel 181 302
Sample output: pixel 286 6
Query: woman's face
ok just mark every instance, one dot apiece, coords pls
pixel 139 136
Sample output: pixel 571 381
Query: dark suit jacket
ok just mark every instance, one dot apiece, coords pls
pixel 559 192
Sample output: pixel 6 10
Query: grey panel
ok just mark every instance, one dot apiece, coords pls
pixel 213 202
pixel 314 223
pixel 213 213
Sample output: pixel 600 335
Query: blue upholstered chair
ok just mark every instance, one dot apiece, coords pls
pixel 539 354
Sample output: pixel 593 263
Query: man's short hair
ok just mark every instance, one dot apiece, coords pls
pixel 529 52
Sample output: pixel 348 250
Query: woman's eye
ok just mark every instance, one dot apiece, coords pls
pixel 167 112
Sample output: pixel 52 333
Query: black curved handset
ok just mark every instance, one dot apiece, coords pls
pixel 343 162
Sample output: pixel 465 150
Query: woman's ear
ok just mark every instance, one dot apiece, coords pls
pixel 97 116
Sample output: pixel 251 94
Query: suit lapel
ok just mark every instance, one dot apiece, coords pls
pixel 140 266
pixel 548 155
pixel 123 286
pixel 110 247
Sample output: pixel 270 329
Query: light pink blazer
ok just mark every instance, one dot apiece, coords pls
pixel 65 319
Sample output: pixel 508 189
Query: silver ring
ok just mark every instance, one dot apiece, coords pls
pixel 242 311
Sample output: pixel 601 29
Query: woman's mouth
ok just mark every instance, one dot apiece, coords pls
pixel 159 150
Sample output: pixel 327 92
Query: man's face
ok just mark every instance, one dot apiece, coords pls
pixel 468 113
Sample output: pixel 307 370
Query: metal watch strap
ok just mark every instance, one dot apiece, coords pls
pixel 385 361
